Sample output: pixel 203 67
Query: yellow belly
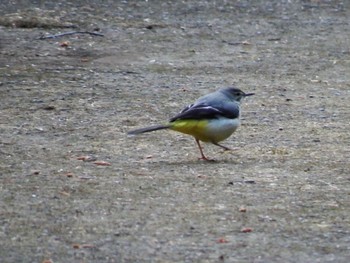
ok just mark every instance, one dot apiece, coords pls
pixel 214 130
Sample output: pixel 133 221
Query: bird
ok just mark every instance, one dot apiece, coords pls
pixel 212 118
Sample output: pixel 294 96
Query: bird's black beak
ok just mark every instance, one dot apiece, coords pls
pixel 248 94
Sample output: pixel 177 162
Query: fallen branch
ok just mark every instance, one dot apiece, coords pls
pixel 71 33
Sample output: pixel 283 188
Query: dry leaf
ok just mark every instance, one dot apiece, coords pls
pixel 102 163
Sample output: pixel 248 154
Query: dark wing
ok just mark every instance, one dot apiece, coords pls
pixel 203 111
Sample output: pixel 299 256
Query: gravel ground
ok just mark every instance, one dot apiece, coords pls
pixel 76 188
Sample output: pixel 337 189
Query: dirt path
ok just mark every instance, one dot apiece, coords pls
pixel 75 188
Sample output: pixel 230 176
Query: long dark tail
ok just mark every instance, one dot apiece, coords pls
pixel 149 129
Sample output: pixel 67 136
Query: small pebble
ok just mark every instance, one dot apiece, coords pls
pixel 246 230
pixel 249 181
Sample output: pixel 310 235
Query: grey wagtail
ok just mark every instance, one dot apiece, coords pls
pixel 212 118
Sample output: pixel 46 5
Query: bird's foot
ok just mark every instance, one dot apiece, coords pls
pixel 207 159
pixel 226 149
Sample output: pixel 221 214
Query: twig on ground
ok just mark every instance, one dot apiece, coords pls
pixel 71 33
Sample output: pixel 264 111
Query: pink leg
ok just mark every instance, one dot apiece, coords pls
pixel 201 150
pixel 224 147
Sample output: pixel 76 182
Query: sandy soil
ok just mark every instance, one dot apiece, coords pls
pixel 75 188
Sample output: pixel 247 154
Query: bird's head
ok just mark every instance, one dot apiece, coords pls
pixel 236 94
